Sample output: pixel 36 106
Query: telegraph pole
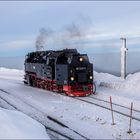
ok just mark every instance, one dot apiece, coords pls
pixel 123 58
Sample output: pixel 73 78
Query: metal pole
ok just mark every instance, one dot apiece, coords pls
pixel 123 58
pixel 130 131
pixel 112 111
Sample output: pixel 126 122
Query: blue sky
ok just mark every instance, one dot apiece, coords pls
pixel 103 22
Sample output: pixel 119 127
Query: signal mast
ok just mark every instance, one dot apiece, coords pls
pixel 123 58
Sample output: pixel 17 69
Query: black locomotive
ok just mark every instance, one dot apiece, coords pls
pixel 64 71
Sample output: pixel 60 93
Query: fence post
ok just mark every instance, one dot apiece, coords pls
pixel 112 111
pixel 130 131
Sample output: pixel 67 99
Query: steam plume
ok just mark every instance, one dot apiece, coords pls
pixel 73 31
pixel 75 34
pixel 42 38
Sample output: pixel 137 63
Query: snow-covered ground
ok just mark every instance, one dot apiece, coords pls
pixel 11 74
pixel 16 125
pixel 130 84
pixel 92 122
pixel 122 91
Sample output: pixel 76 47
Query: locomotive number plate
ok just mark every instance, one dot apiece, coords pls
pixel 80 68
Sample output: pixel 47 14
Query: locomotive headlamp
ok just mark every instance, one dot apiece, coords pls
pixel 81 59
pixel 90 77
pixel 72 78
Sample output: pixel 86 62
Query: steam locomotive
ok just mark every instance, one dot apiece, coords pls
pixel 65 71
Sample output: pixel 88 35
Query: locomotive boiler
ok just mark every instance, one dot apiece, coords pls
pixel 65 71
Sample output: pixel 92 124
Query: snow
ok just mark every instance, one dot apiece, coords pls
pixel 90 121
pixel 11 74
pixel 16 125
pixel 131 84
pixel 123 91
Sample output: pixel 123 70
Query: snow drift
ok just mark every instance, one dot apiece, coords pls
pixel 130 84
pixel 16 125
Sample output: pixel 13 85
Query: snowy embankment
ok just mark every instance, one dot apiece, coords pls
pixel 16 125
pixel 12 74
pixel 130 84
pixel 122 91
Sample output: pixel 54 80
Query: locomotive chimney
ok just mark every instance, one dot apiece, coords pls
pixel 123 58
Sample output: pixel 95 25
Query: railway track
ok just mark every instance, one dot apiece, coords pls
pixel 56 128
pixel 56 132
pixel 113 103
pixel 106 105
pixel 117 108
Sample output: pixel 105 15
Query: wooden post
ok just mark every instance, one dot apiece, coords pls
pixel 130 131
pixel 112 111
